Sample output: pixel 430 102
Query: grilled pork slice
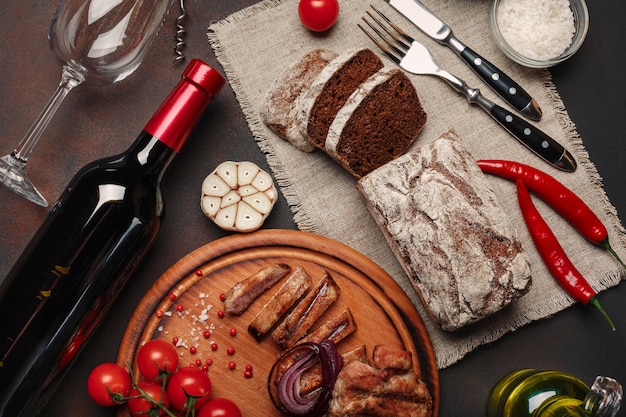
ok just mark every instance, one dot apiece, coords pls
pixel 356 354
pixel 336 329
pixel 243 293
pixel 383 357
pixel 296 285
pixel 306 312
pixel 365 390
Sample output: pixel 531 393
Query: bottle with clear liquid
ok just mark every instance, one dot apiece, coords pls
pixel 87 248
pixel 534 393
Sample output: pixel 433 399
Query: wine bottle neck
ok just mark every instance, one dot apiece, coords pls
pixel 173 122
pixel 152 153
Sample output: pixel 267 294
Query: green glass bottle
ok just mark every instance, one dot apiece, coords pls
pixel 534 393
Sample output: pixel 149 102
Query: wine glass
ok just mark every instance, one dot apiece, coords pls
pixel 98 42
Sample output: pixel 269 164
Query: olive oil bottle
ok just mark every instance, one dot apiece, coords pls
pixel 534 393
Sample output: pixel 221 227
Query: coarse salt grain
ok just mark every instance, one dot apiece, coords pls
pixel 537 29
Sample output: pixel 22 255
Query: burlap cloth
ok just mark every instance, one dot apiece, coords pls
pixel 256 44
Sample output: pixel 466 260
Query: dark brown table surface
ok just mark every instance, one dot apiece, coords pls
pixel 95 122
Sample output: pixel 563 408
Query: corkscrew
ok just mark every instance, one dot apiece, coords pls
pixel 180 33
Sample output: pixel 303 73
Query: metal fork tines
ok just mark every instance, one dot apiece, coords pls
pixel 413 57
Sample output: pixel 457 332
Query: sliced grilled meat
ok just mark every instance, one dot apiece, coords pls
pixel 296 285
pixel 336 329
pixel 243 293
pixel 365 390
pixel 306 313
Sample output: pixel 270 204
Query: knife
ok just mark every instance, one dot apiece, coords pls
pixel 431 25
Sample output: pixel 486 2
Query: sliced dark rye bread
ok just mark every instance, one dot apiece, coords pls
pixel 378 123
pixel 330 90
pixel 279 108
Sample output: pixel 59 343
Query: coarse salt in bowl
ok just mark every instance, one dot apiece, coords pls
pixel 539 33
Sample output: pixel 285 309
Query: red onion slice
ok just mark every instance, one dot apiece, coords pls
pixel 285 389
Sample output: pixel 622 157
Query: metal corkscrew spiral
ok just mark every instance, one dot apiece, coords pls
pixel 180 33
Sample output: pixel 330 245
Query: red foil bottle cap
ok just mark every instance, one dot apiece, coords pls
pixel 205 76
pixel 173 122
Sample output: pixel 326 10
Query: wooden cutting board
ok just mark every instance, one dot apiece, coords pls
pixel 382 311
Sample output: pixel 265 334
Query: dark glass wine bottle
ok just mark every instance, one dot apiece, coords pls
pixel 86 249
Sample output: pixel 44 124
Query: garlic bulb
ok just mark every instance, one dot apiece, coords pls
pixel 238 196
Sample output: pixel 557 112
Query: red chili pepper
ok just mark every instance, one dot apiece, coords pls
pixel 553 255
pixel 558 196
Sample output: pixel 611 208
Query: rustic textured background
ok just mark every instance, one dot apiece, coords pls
pixel 97 122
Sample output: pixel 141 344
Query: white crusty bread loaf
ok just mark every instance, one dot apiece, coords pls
pixel 279 109
pixel 446 227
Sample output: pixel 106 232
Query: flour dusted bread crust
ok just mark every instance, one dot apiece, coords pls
pixel 330 90
pixel 279 109
pixel 378 123
pixel 448 231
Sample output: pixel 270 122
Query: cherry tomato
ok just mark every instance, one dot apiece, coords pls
pixel 156 357
pixel 105 379
pixel 318 15
pixel 189 388
pixel 220 407
pixel 141 407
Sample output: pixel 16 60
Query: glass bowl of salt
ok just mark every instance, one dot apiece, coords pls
pixel 539 33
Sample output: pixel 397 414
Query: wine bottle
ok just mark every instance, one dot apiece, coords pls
pixel 86 249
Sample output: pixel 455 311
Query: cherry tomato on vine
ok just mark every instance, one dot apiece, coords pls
pixel 140 406
pixel 219 407
pixel 189 388
pixel 155 357
pixel 318 15
pixel 105 379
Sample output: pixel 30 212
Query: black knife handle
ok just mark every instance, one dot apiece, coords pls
pixel 536 140
pixel 501 83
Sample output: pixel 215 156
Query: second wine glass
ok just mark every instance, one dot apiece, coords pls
pixel 98 42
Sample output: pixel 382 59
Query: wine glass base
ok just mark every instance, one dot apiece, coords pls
pixel 13 175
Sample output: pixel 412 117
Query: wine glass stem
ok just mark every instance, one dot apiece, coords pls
pixel 70 78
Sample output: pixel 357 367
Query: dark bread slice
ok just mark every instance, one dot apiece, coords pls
pixel 330 90
pixel 378 123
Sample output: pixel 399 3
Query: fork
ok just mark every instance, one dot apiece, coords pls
pixel 413 57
